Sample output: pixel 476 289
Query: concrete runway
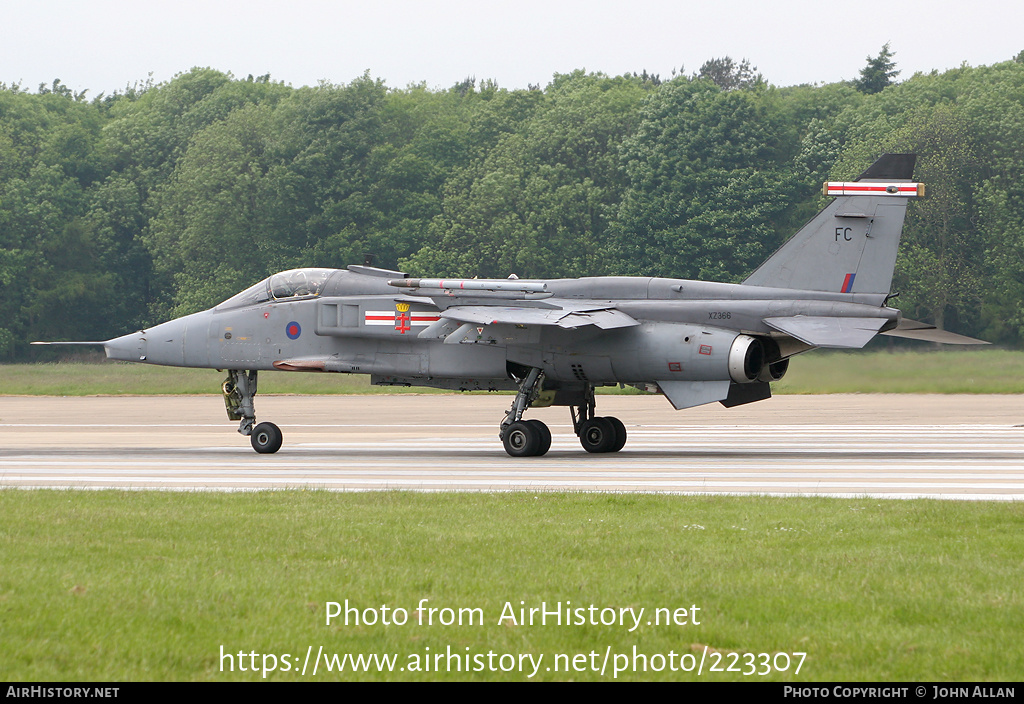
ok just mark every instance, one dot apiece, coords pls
pixel 884 446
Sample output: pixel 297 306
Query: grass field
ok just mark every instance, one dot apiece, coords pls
pixel 150 585
pixel 961 371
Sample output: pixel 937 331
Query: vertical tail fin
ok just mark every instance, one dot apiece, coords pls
pixel 850 246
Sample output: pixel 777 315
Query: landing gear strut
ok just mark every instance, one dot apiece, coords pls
pixel 239 394
pixel 525 438
pixel 596 434
pixel 531 438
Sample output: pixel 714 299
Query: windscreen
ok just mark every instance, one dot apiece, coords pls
pixel 295 283
pixel 257 293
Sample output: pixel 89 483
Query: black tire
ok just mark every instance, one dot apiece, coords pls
pixel 545 437
pixel 266 438
pixel 521 439
pixel 597 435
pixel 620 433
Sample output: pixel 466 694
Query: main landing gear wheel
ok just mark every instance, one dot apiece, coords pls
pixel 603 435
pixel 545 436
pixel 266 438
pixel 597 435
pixel 620 433
pixel 526 438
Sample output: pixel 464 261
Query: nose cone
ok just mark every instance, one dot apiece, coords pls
pixel 167 343
pixel 130 348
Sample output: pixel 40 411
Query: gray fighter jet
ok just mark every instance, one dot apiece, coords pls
pixel 554 341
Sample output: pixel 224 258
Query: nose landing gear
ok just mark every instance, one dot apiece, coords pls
pixel 239 394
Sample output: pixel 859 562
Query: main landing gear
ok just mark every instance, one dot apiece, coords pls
pixel 531 438
pixel 606 434
pixel 239 392
pixel 525 438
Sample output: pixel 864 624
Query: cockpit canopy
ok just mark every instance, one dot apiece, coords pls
pixel 294 283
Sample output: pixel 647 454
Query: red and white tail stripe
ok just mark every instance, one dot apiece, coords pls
pixel 862 188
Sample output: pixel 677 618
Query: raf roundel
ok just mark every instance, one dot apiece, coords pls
pixel 293 330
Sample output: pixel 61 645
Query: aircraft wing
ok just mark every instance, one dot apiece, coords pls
pixel 824 331
pixel 914 330
pixel 535 305
pixel 572 315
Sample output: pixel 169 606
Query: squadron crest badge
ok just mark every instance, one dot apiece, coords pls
pixel 402 318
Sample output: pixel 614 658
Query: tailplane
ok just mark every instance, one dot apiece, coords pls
pixel 850 246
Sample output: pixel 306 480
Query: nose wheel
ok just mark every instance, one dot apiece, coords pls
pixel 266 438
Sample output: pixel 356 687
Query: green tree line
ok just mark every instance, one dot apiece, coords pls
pixel 121 211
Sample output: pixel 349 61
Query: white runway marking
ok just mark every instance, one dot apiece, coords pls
pixel 955 461
pixel 962 447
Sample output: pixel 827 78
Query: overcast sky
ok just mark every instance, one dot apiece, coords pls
pixel 105 45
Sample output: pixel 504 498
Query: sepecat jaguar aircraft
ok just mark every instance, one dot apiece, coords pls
pixel 554 341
